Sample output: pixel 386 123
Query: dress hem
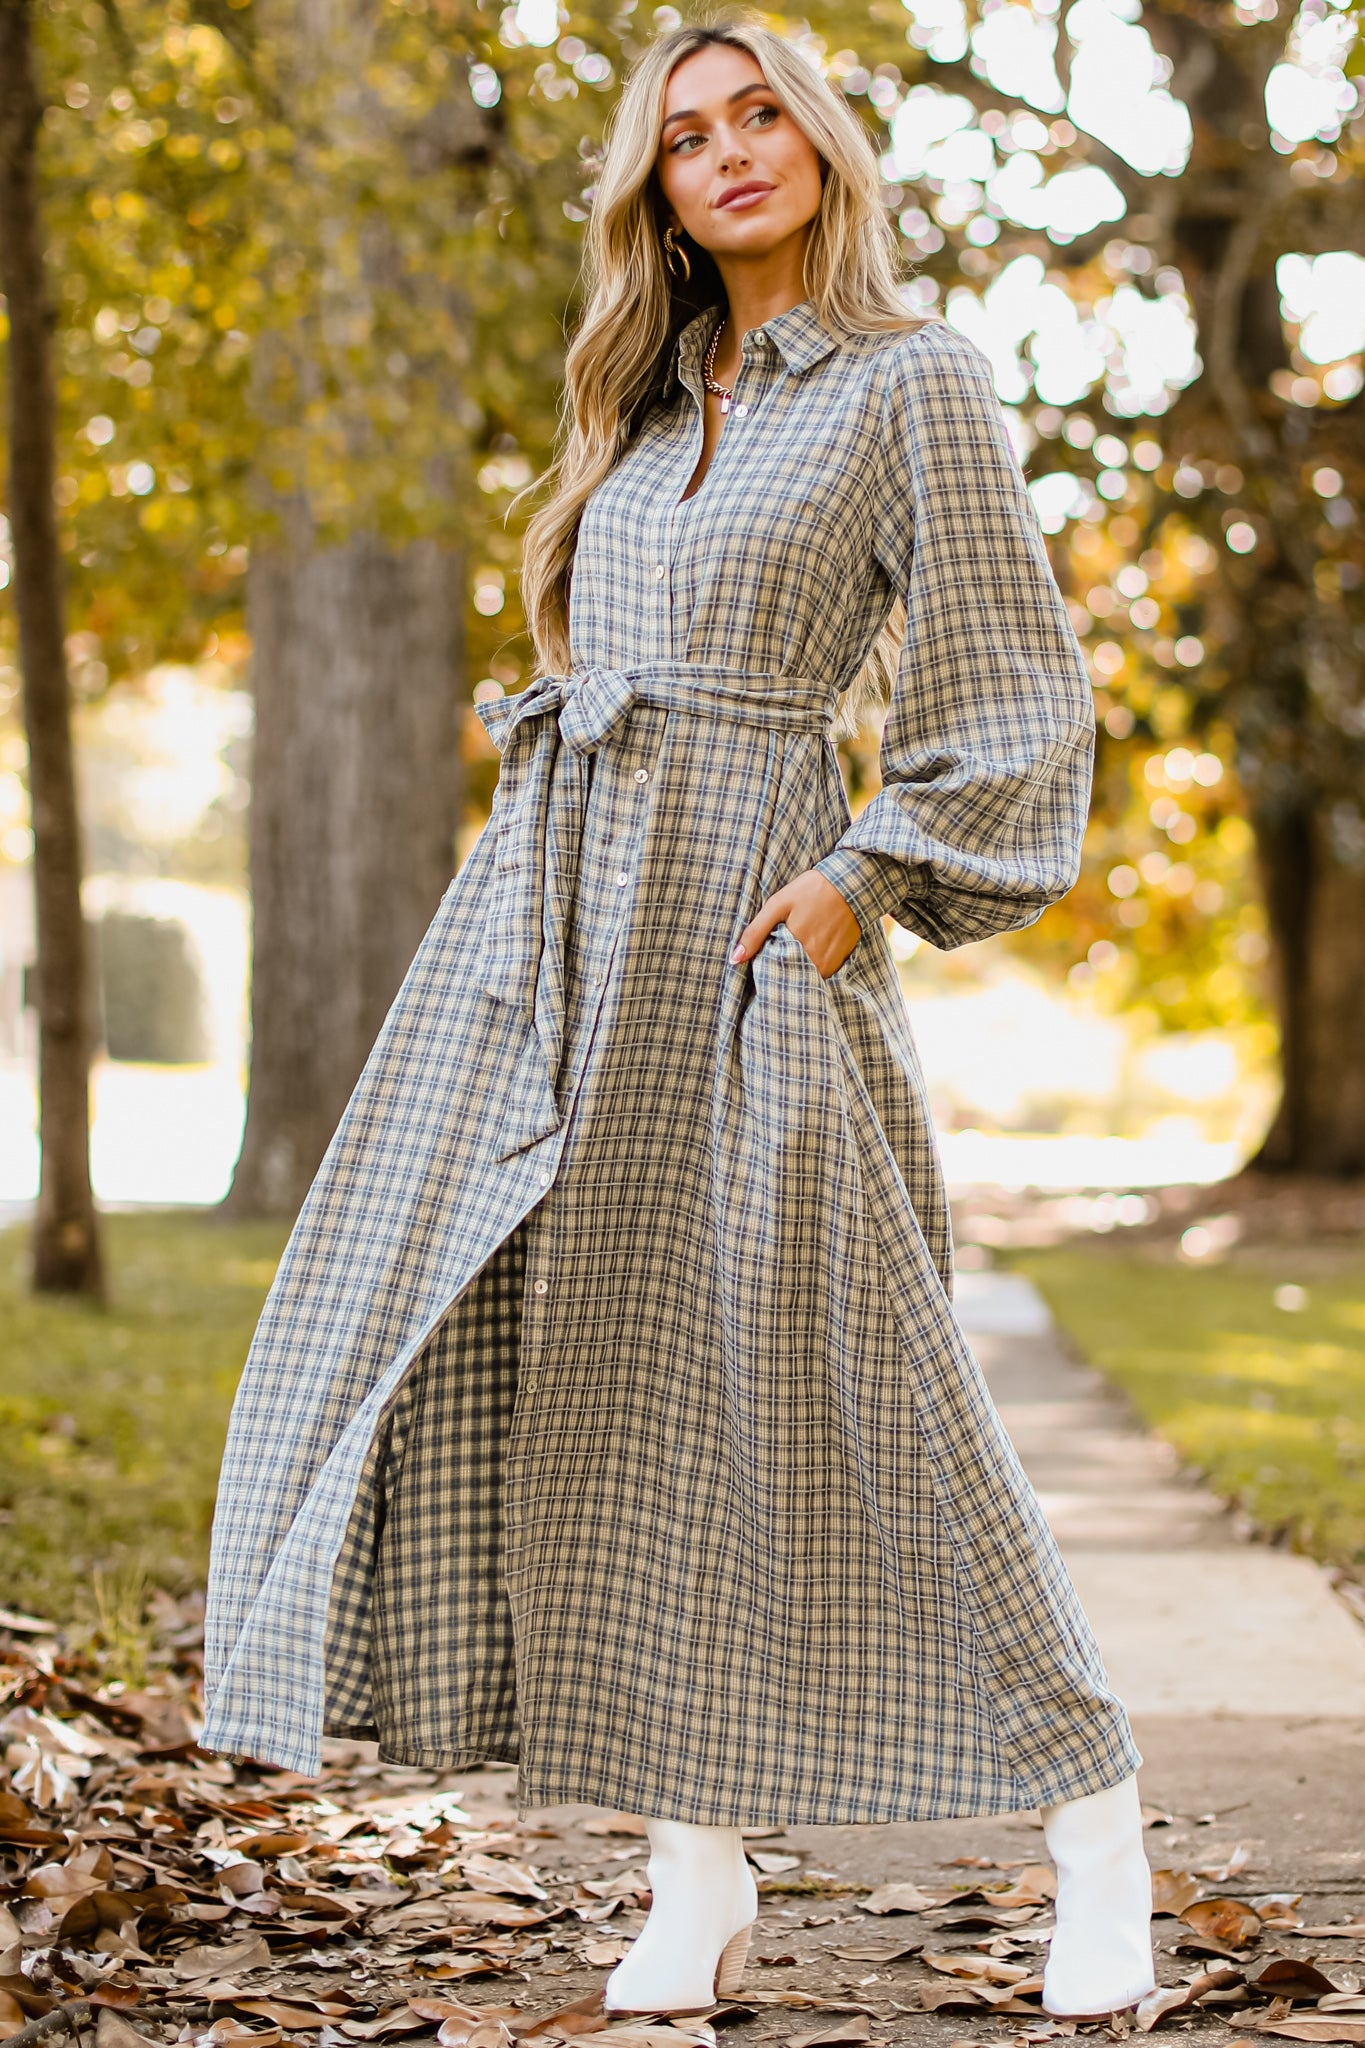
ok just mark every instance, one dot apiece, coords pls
pixel 1052 1788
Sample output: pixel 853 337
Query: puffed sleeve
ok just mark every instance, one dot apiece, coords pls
pixel 988 746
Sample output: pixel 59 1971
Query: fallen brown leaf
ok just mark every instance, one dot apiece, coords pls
pixel 282 1842
pixel 646 2036
pixel 602 1954
pixel 858 2028
pixel 584 2016
pixel 211 1961
pixel 500 1874
pixel 1010 1997
pixel 1321 2027
pixel 1279 1909
pixel 112 2030
pixel 1291 1977
pixel 466 1965
pixel 1182 1997
pixel 478 2027
pixel 1173 1890
pixel 396 2019
pixel 984 1917
pixel 933 1997
pixel 230 2033
pixel 26 1994
pixel 292 2015
pixel 1154 2007
pixel 900 1898
pixel 986 1969
pixel 118 1990
pixel 484 1909
pixel 626 1884
pixel 1035 1885
pixel 1226 1921
pixel 876 1952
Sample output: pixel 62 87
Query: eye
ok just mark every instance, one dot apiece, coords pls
pixel 680 144
pixel 764 115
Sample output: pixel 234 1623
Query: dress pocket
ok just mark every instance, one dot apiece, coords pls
pixel 789 947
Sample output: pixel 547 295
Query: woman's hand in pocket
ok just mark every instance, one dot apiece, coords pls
pixel 814 913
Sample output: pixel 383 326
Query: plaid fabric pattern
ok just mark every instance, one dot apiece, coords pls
pixel 431 1667
pixel 608 1410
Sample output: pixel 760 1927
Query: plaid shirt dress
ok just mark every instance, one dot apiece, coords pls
pixel 608 1412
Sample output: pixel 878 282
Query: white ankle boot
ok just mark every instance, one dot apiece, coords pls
pixel 1100 1958
pixel 692 1948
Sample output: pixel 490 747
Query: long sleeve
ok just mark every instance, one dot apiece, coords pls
pixel 988 745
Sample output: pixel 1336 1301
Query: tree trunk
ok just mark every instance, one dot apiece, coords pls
pixel 1315 906
pixel 355 800
pixel 66 1248
pixel 358 638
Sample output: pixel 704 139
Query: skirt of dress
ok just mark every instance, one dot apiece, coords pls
pixel 421 1639
pixel 433 1671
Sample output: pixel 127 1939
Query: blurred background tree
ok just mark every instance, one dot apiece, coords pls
pixel 66 1245
pixel 315 268
pixel 1158 212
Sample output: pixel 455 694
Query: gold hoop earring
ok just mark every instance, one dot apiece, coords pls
pixel 675 256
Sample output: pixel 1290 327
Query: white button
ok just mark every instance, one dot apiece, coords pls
pixel 759 335
pixel 741 412
pixel 541 1287
pixel 659 572
pixel 642 775
pixel 545 1177
pixel 622 879
pixel 598 980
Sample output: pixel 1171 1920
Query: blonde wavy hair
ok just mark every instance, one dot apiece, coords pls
pixel 635 307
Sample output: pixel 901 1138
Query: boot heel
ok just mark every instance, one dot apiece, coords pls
pixel 730 1968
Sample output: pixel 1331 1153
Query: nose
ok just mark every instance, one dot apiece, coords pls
pixel 733 155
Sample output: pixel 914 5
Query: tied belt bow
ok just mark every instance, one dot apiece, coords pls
pixel 546 735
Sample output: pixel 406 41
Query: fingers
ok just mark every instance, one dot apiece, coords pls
pixel 756 931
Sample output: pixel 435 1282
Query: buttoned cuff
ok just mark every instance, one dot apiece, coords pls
pixel 872 884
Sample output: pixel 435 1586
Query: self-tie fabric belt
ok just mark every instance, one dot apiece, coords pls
pixel 546 735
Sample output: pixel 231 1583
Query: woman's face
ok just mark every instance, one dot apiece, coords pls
pixel 737 173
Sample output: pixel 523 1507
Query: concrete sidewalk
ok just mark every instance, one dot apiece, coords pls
pixel 1242 1669
pixel 1191 1621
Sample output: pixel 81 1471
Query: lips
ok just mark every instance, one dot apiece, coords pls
pixel 747 194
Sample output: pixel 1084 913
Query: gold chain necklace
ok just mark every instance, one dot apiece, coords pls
pixel 708 364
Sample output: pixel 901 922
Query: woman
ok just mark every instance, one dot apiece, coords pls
pixel 608 1411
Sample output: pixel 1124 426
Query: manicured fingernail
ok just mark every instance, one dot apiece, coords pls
pixel 737 956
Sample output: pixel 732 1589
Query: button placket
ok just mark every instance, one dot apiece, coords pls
pixel 753 352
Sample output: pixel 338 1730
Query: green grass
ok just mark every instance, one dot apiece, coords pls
pixel 1270 1405
pixel 112 1420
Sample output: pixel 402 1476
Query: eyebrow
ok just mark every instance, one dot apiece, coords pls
pixel 691 114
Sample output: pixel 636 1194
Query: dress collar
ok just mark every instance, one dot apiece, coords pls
pixel 797 335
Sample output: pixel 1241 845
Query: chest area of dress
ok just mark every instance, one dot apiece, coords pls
pixel 786 501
